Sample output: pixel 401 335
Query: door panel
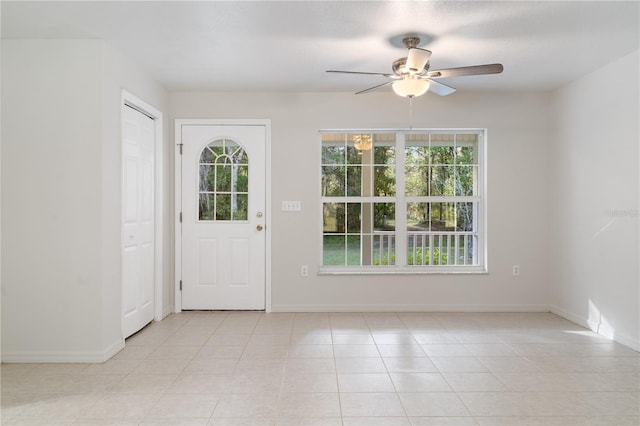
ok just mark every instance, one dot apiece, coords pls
pixel 223 205
pixel 138 256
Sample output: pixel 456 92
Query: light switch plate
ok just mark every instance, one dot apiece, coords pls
pixel 291 206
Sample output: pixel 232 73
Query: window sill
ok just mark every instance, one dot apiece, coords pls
pixel 472 270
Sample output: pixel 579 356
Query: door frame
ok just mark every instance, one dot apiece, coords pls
pixel 129 100
pixel 178 198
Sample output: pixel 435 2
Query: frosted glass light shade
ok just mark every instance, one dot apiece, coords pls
pixel 409 87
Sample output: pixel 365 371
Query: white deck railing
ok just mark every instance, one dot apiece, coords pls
pixel 428 248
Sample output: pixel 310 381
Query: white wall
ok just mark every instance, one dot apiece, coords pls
pixel 595 190
pixel 61 197
pixel 518 137
pixel 50 148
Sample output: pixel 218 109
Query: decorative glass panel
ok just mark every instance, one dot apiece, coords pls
pixel 224 182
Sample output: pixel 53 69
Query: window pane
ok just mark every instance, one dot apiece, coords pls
pixel 464 180
pixel 207 156
pixel 464 216
pixel 385 181
pixel 441 181
pixel 207 178
pixel 353 155
pixel 242 179
pixel 217 149
pixel 465 249
pixel 207 207
pixel 354 218
pixel 239 156
pixel 418 249
pixel 223 206
pixel 416 181
pixel 223 178
pixel 441 139
pixel 440 153
pixel 359 146
pixel 333 181
pixel 384 155
pixel 443 217
pixel 333 250
pixel 333 154
pixel 384 216
pixel 418 217
pixel 384 250
pixel 465 155
pixel 333 148
pixel 240 206
pixel 333 218
pixel 354 181
pixel 416 149
pixel 353 250
pixel 431 249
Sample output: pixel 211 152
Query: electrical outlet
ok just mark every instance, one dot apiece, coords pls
pixel 516 270
pixel 304 271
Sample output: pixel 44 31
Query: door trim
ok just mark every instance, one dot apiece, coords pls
pixel 178 198
pixel 130 100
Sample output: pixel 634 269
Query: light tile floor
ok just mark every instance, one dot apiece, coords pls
pixel 252 368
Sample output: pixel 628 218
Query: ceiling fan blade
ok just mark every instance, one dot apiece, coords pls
pixel 371 89
pixel 471 70
pixel 359 72
pixel 439 88
pixel 417 59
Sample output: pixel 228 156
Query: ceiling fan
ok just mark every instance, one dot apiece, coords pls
pixel 411 75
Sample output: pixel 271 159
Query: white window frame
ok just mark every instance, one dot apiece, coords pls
pixel 401 218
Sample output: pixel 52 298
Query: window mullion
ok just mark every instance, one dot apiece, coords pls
pixel 401 205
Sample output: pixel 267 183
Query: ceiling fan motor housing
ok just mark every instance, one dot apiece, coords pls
pixel 399 68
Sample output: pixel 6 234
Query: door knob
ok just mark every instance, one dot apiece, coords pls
pixel 259 227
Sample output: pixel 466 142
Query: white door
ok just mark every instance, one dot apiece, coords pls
pixel 138 213
pixel 223 216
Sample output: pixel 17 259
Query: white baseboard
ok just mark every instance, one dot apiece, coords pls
pixel 410 308
pixel 166 311
pixel 623 339
pixel 63 356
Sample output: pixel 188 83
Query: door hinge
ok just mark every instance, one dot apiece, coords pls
pixel 180 217
pixel 180 285
pixel 180 145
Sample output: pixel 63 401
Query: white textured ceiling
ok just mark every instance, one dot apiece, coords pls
pixel 287 46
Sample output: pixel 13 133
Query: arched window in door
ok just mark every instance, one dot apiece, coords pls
pixel 224 182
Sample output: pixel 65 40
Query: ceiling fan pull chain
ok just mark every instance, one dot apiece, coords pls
pixel 410 112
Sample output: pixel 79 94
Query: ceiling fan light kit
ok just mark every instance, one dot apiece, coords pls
pixel 410 86
pixel 411 76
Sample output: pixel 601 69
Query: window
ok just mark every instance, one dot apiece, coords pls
pixel 224 182
pixel 403 201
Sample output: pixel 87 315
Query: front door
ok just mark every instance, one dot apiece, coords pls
pixel 223 241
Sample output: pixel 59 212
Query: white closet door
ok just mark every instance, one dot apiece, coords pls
pixel 137 220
